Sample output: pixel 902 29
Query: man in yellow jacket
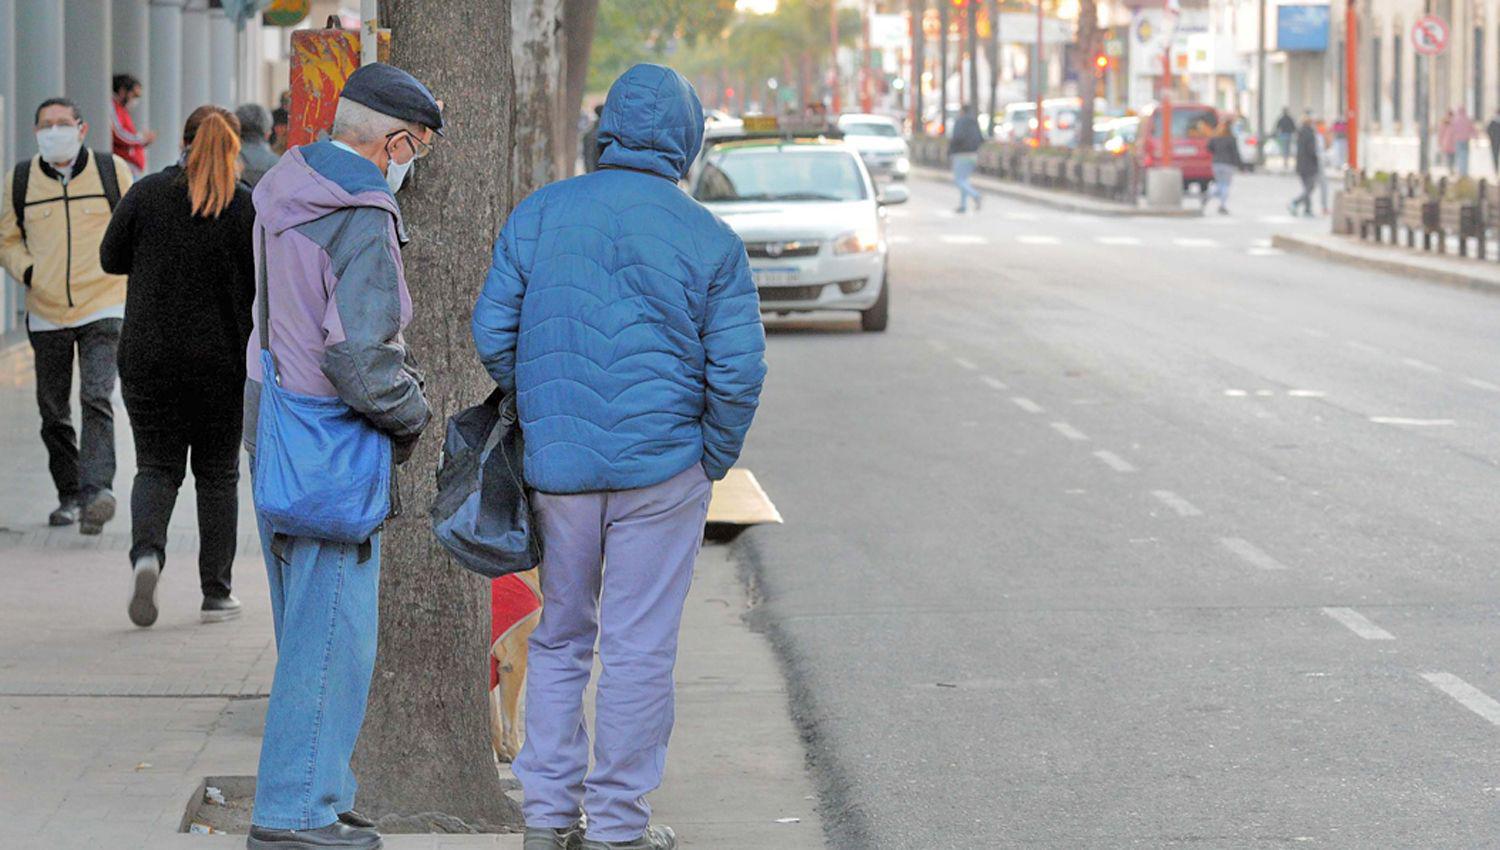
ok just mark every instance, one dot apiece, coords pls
pixel 52 217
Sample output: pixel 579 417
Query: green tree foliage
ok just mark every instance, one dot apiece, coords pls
pixel 631 31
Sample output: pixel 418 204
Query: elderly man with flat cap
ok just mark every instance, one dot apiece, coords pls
pixel 331 303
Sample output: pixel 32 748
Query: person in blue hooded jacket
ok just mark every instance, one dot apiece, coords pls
pixel 622 315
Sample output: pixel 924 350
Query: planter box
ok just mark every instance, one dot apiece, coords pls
pixel 1461 219
pixel 1419 214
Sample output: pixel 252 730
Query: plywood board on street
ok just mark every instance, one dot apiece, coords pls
pixel 739 502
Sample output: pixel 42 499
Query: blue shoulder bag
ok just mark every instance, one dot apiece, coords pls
pixel 321 469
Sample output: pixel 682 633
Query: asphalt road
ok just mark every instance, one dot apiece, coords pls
pixel 1138 533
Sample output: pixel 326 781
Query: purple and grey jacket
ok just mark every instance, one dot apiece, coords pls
pixel 337 292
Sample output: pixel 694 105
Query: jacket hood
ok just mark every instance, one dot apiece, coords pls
pixel 314 180
pixel 652 122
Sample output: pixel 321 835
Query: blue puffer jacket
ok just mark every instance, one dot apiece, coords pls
pixel 621 312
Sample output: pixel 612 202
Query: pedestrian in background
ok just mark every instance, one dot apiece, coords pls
pixel 1224 149
pixel 129 144
pixel 1340 142
pixel 280 126
pixel 256 156
pixel 1286 127
pixel 331 303
pixel 1309 164
pixel 628 414
pixel 182 236
pixel 1462 132
pixel 963 150
pixel 1446 146
pixel 590 142
pixel 1492 130
pixel 52 217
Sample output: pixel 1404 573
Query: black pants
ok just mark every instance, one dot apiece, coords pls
pixel 175 428
pixel 81 465
pixel 1304 200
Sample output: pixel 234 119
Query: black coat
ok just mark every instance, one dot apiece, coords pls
pixel 1285 124
pixel 967 137
pixel 1225 150
pixel 191 287
pixel 1309 157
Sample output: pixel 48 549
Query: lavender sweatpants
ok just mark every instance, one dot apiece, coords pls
pixel 649 539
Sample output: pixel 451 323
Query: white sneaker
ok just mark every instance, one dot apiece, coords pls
pixel 143 609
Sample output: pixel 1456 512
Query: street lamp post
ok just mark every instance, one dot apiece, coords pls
pixel 1351 64
pixel 833 44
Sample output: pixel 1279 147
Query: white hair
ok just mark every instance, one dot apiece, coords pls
pixel 358 124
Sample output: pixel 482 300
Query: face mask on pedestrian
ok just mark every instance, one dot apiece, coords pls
pixel 132 103
pixel 60 143
pixel 395 171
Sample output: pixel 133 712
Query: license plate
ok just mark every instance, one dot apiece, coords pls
pixel 1185 150
pixel 775 277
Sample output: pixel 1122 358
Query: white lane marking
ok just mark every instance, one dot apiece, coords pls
pixel 1114 461
pixel 1363 346
pixel 1236 393
pixel 1250 553
pixel 1306 393
pixel 1358 623
pixel 1265 252
pixel 1277 219
pixel 1482 385
pixel 899 240
pixel 1265 393
pixel 1039 240
pixel 993 383
pixel 1194 242
pixel 965 363
pixel 962 239
pixel 1118 240
pixel 1069 431
pixel 1466 694
pixel 1027 404
pixel 1260 243
pixel 1182 506
pixel 1416 423
pixel 1420 364
pixel 1021 216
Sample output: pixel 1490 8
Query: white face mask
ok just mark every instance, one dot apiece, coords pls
pixel 59 144
pixel 395 174
pixel 132 103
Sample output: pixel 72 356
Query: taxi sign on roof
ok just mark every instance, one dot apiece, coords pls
pixel 761 124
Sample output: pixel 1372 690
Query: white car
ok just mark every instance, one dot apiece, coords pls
pixel 878 140
pixel 812 221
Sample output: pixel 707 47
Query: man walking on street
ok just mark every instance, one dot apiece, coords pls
pixel 255 142
pixel 331 304
pixel 963 150
pixel 1286 126
pixel 622 316
pixel 1309 164
pixel 53 215
pixel 129 144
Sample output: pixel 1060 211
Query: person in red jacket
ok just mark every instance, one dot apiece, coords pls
pixel 129 144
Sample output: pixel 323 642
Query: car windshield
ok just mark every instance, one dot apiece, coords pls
pixel 780 174
pixel 869 128
pixel 1187 122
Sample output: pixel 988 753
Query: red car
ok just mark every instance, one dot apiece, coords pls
pixel 1192 124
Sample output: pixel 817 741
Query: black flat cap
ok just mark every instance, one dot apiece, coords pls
pixel 391 91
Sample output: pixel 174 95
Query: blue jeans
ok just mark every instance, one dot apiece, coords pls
pixel 963 168
pixel 1461 159
pixel 324 605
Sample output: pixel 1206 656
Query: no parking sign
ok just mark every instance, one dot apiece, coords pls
pixel 1429 35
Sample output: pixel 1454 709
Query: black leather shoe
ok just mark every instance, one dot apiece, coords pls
pixel 66 514
pixel 356 820
pixel 337 834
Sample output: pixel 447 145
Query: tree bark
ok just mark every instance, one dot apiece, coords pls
pixel 538 64
pixel 578 35
pixel 918 66
pixel 424 761
pixel 1088 45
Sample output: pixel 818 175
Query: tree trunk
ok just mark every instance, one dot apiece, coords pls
pixel 918 64
pixel 1088 45
pixel 538 64
pixel 578 36
pixel 424 760
pixel 992 55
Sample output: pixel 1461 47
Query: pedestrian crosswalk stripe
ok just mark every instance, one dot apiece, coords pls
pixel 1027 404
pixel 1114 461
pixel 1248 552
pixel 1265 252
pixel 1038 240
pixel 1069 431
pixel 1194 242
pixel 1358 623
pixel 1118 240
pixel 963 239
pixel 1178 504
pixel 1466 694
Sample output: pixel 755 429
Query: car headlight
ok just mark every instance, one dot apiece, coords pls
pixel 860 241
pixel 903 165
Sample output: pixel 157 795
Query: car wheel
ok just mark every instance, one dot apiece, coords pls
pixel 878 316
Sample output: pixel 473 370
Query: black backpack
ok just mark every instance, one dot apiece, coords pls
pixel 107 178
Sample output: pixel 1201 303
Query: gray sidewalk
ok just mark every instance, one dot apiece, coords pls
pixel 1449 269
pixel 109 729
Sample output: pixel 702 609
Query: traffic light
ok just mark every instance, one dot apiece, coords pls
pixel 1101 63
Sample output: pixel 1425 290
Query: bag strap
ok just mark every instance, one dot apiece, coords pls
pixel 263 299
pixel 109 179
pixel 19 179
